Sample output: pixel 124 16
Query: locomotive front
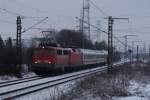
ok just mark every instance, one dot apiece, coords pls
pixel 43 60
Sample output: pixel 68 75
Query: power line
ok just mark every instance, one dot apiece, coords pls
pixel 5 21
pixel 11 12
pixel 133 31
pixel 25 5
pixel 34 25
pixel 100 10
pixel 104 32
pixel 18 14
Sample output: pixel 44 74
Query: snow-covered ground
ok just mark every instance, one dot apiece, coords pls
pixel 46 94
pixel 7 78
pixel 139 88
pixel 30 74
pixel 138 85
pixel 53 93
pixel 139 91
pixel 130 98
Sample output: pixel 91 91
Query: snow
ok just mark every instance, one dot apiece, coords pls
pixel 45 94
pixel 30 74
pixel 138 90
pixel 44 80
pixel 49 93
pixel 87 96
pixel 7 78
pixel 130 98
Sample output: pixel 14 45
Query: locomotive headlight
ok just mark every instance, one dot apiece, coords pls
pixel 49 62
pixel 46 61
pixel 35 62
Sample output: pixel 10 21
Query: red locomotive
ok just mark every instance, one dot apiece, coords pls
pixel 48 58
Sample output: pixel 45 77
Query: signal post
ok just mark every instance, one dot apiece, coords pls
pixel 110 44
pixel 18 47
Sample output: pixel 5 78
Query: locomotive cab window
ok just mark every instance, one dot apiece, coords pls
pixel 74 50
pixel 59 52
pixel 65 52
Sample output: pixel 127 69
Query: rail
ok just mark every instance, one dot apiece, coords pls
pixel 25 88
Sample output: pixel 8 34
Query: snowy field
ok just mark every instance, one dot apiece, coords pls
pixel 130 82
pixel 54 93
pixel 7 78
pixel 139 88
pixel 139 91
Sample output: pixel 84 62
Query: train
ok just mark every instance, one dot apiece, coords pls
pixel 47 59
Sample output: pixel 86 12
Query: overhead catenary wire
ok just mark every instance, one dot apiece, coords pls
pixel 133 31
pixel 22 17
pixel 18 14
pixel 99 9
pixel 11 12
pixel 7 22
pixel 34 25
pixel 25 5
pixel 104 32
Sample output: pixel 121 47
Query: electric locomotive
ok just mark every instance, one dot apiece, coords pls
pixel 47 59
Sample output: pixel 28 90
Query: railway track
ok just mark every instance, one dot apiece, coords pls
pixel 18 81
pixel 21 89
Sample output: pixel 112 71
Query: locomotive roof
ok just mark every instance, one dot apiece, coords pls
pixel 87 51
pixel 84 51
pixel 54 48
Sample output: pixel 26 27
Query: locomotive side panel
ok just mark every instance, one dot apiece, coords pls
pixel 75 58
pixel 62 58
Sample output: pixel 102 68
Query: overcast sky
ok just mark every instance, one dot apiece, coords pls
pixel 61 14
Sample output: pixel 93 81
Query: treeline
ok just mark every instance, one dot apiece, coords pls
pixel 76 39
pixel 72 38
pixel 67 38
pixel 8 56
